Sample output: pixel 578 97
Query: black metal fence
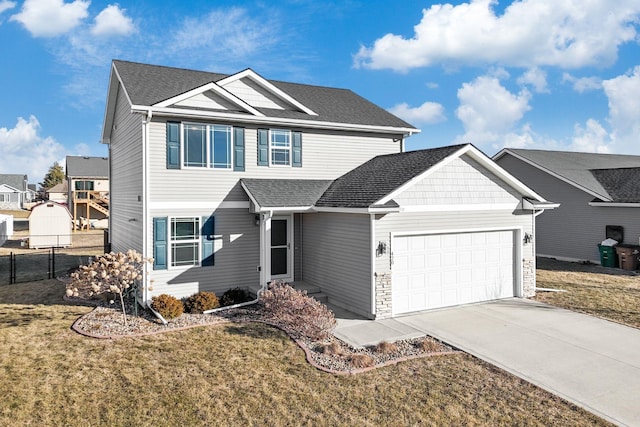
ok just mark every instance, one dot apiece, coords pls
pixel 19 264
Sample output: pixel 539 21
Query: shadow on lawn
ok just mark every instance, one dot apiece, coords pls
pixel 254 330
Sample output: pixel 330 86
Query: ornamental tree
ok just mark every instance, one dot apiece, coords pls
pixel 109 273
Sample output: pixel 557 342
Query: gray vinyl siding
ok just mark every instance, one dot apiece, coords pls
pixel 574 229
pixel 14 201
pixel 324 156
pixel 125 184
pixel 336 257
pixel 236 256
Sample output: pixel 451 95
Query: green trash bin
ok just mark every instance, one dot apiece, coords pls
pixel 608 257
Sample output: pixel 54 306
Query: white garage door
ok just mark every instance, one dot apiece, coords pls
pixel 440 270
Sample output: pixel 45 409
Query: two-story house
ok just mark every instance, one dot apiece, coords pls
pixel 234 181
pixel 87 189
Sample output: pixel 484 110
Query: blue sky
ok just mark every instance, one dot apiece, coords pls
pixel 551 74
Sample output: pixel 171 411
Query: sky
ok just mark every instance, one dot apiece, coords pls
pixel 538 74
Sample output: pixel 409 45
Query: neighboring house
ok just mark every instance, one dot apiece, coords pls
pixel 234 181
pixel 59 193
pixel 14 191
pixel 88 184
pixel 594 191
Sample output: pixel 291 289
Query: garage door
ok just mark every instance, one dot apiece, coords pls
pixel 440 270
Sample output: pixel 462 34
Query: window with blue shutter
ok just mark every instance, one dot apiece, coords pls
pixel 238 149
pixel 207 239
pixel 263 147
pixel 159 243
pixel 173 145
pixel 297 150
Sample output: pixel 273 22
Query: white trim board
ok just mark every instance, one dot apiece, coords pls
pixel 198 205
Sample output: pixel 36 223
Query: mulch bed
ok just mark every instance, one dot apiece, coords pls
pixel 331 355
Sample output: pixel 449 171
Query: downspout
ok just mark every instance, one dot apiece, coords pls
pixel 145 194
pixel 534 214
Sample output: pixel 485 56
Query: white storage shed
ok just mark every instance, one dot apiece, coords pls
pixel 6 228
pixel 49 226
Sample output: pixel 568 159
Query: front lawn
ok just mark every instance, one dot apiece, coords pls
pixel 608 293
pixel 234 375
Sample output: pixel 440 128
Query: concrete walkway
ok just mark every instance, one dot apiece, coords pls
pixel 591 362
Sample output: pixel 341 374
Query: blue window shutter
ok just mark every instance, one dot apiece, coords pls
pixel 173 145
pixel 263 147
pixel 159 243
pixel 238 149
pixel 206 233
pixel 297 150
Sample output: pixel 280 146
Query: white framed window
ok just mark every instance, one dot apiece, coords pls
pixel 184 241
pixel 279 147
pixel 207 146
pixel 4 197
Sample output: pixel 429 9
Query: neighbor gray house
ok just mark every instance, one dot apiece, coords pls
pixel 234 181
pixel 596 192
pixel 15 191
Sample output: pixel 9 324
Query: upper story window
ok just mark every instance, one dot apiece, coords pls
pixel 196 145
pixel 280 147
pixel 207 146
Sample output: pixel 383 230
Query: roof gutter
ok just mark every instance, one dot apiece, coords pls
pixel 195 114
pixel 534 205
pixel 616 204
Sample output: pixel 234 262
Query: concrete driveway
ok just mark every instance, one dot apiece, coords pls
pixel 591 362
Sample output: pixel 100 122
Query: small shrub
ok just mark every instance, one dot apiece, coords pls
pixel 428 345
pixel 386 347
pixel 235 296
pixel 200 302
pixel 168 306
pixel 331 349
pixel 360 360
pixel 296 312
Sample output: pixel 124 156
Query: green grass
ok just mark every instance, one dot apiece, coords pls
pixel 244 375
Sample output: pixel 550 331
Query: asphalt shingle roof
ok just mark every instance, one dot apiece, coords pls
pixel 87 167
pixel 365 185
pixel 16 181
pixel 622 184
pixel 275 193
pixel 576 167
pixel 150 84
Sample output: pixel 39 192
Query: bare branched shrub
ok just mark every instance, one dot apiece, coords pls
pixel 360 360
pixel 295 311
pixel 428 345
pixel 386 347
pixel 109 273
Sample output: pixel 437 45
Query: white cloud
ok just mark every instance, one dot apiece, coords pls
pixel 591 138
pixel 23 150
pixel 488 110
pixel 50 18
pixel 582 84
pixel 112 21
pixel 6 5
pixel 624 103
pixel 529 33
pixel 427 113
pixel 536 78
pixel 230 31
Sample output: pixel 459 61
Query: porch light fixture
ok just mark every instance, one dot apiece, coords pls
pixel 527 238
pixel 381 249
pixel 256 220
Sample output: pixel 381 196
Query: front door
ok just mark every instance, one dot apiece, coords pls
pixel 281 248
